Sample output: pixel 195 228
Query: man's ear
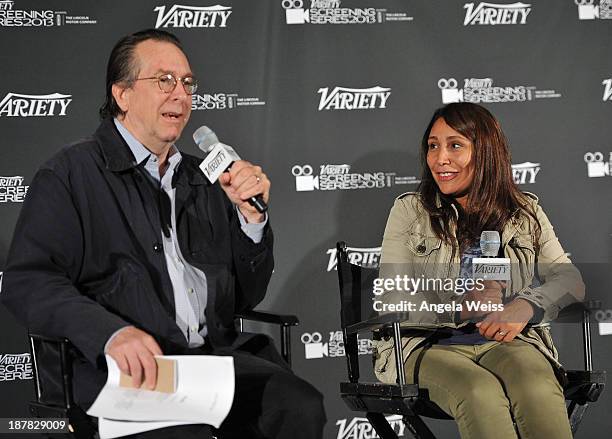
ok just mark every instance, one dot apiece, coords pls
pixel 121 95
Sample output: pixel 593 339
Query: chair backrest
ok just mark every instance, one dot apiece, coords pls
pixel 356 288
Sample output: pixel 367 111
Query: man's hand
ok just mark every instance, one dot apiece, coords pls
pixel 134 352
pixel 490 294
pixel 242 182
pixel 505 325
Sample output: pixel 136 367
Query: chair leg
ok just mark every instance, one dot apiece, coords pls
pixel 576 412
pixel 417 427
pixel 381 425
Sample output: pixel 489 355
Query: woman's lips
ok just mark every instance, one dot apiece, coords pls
pixel 446 176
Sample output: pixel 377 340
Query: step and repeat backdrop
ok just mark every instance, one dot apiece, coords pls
pixel 331 97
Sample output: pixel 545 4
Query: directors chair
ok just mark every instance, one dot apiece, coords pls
pixel 408 400
pixel 52 359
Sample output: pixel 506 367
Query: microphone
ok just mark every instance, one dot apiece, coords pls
pixel 219 158
pixel 490 267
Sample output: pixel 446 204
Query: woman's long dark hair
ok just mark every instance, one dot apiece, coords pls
pixel 493 197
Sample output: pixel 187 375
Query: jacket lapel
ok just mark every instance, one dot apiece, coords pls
pixel 120 161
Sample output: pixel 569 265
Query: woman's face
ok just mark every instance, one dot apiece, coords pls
pixel 450 159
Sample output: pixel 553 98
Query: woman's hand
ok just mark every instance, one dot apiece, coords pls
pixel 504 325
pixel 491 294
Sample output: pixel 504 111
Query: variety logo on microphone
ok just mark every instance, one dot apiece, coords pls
pixel 366 257
pixel 15 367
pixel 588 10
pixel 314 347
pixel 525 173
pixel 180 16
pixel 596 167
pixel 330 12
pixel 480 90
pixel 222 101
pixel 342 98
pixel 12 189
pixel 10 17
pixel 339 177
pixel 360 428
pixel 607 95
pixel 22 105
pixel 493 14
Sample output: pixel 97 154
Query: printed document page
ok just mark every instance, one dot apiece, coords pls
pixel 204 395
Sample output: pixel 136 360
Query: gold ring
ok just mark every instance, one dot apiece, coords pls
pixel 502 333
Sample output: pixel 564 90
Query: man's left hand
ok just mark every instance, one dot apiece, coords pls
pixel 504 325
pixel 243 181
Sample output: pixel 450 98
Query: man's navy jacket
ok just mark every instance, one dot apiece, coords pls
pixel 87 258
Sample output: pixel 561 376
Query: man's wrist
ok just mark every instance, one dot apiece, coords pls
pixel 112 337
pixel 253 217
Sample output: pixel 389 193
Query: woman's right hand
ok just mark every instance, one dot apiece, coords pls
pixel 491 294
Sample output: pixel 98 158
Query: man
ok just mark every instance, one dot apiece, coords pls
pixel 124 248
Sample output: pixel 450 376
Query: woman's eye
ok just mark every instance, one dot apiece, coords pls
pixel 432 146
pixel 457 145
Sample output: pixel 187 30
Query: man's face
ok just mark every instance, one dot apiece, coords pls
pixel 154 117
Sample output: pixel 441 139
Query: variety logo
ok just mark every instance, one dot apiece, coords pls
pixel 315 348
pixel 330 12
pixel 10 17
pixel 222 101
pixel 366 257
pixel 15 367
pixel 587 10
pixel 604 319
pixel 360 428
pixel 342 98
pixel 596 167
pixel 12 189
pixel 339 177
pixel 482 90
pixel 493 14
pixel 192 16
pixel 525 172
pixel 19 105
pixel 607 95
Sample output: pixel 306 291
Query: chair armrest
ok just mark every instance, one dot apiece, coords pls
pixel 266 317
pixel 52 361
pixel 378 322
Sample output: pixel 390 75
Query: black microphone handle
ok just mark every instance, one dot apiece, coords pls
pixel 258 202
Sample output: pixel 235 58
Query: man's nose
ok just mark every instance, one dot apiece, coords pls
pixel 179 92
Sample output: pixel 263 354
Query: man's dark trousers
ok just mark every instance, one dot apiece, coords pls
pixel 269 402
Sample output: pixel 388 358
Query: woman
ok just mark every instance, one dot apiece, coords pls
pixel 489 370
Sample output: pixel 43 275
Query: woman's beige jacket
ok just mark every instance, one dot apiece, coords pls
pixel 410 247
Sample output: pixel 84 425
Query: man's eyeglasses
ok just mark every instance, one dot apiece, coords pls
pixel 167 83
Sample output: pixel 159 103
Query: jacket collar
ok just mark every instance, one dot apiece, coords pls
pixel 439 205
pixel 116 153
pixel 119 158
pixel 514 226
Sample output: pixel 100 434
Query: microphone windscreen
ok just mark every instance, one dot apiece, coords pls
pixel 205 138
pixel 490 243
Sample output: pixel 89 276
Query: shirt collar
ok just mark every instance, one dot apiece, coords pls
pixel 142 154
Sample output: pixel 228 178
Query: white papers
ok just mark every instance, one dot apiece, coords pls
pixel 204 395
